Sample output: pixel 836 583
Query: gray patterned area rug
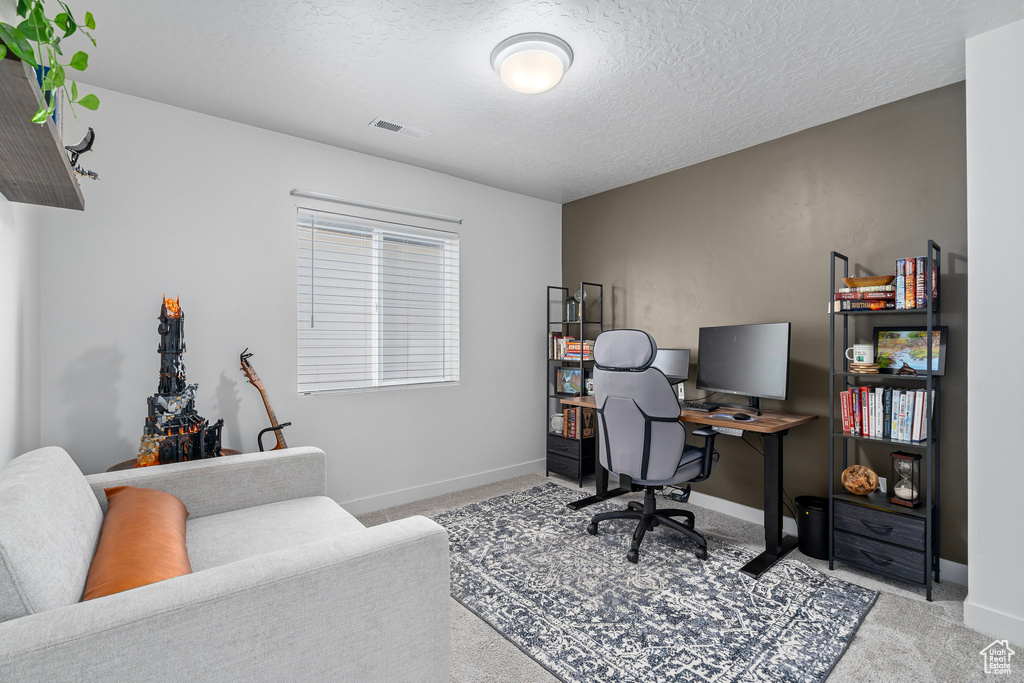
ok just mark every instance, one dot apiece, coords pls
pixel 525 564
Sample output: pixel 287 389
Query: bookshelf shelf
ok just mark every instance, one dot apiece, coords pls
pixel 855 520
pixel 573 457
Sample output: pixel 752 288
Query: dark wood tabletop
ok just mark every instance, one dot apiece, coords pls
pixel 768 422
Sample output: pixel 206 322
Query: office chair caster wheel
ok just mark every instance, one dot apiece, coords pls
pixel 702 554
pixel 633 556
pixel 592 529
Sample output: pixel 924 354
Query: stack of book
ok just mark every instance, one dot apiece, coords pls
pixel 885 413
pixel 876 298
pixel 558 345
pixel 579 350
pixel 910 282
pixel 578 423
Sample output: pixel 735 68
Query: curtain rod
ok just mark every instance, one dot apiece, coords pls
pixel 370 205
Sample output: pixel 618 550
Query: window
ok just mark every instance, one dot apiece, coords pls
pixel 378 303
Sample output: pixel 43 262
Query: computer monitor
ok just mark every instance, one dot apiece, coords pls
pixel 675 363
pixel 749 360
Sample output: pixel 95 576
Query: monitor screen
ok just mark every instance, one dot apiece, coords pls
pixel 750 360
pixel 675 363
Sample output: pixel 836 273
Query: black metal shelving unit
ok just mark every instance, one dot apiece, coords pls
pixel 571 457
pixel 870 531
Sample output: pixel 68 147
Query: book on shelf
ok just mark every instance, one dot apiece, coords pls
pixel 910 280
pixel 557 345
pixel 857 295
pixel 885 413
pixel 871 288
pixel 901 283
pixel 867 305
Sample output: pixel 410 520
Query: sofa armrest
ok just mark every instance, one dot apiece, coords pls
pixel 368 605
pixel 231 482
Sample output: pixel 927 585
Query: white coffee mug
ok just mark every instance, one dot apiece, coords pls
pixel 861 353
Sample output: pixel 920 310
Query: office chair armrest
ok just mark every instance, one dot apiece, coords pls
pixel 709 435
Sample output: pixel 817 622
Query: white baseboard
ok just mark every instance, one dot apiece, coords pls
pixel 360 506
pixel 738 510
pixel 997 624
pixel 954 572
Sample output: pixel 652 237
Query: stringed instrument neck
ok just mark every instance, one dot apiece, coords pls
pixel 254 379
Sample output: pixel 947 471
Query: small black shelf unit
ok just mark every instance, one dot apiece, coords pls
pixel 871 532
pixel 571 457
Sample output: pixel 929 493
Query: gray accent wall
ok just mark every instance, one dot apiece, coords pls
pixel 745 238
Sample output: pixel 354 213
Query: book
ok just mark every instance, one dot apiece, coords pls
pixel 910 280
pixel 870 431
pixel 845 408
pixel 586 423
pixel 879 391
pixel 894 418
pixel 908 423
pixel 872 288
pixel 887 413
pixel 902 416
pixel 565 423
pixel 919 290
pixel 865 295
pixel 915 434
pixel 865 423
pixel 855 405
pixel 869 305
pixel 927 423
pixel 901 292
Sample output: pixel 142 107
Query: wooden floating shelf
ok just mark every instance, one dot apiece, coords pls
pixel 33 166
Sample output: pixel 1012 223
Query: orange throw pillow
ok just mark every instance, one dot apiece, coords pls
pixel 142 541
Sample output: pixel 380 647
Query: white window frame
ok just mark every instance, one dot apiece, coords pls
pixel 380 230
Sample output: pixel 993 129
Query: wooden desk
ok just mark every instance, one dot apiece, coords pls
pixel 774 426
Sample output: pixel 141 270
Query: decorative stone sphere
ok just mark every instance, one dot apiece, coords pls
pixel 859 480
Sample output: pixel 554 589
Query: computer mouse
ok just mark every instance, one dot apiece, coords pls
pixel 741 416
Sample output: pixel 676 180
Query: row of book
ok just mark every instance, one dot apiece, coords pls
pixel 910 282
pixel 565 347
pixel 884 412
pixel 907 290
pixel 578 423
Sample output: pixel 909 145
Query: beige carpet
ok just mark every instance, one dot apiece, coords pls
pixel 903 638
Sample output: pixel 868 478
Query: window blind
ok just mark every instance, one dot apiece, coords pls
pixel 378 303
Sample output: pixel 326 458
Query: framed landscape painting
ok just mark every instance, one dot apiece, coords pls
pixel 895 346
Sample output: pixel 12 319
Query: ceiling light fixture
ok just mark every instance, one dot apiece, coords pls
pixel 532 63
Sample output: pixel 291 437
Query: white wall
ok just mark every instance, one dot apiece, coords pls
pixel 995 216
pixel 19 329
pixel 198 207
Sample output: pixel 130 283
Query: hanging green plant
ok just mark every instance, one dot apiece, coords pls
pixel 37 40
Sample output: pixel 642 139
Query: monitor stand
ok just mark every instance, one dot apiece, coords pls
pixel 753 405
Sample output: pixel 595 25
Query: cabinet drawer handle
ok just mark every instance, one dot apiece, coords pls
pixel 876 559
pixel 877 528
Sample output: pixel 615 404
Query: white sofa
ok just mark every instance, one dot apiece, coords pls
pixel 286 585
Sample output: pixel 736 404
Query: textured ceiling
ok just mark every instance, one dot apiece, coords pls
pixel 655 86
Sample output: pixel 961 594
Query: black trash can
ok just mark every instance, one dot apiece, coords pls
pixel 812 526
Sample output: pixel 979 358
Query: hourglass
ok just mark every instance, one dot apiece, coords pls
pixel 906 475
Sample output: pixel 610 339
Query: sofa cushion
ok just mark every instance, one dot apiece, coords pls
pixel 49 523
pixel 240 534
pixel 142 541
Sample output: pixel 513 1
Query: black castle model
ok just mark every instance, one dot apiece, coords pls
pixel 174 431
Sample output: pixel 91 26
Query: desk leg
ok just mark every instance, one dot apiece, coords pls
pixel 776 543
pixel 601 477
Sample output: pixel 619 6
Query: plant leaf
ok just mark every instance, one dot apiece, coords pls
pixel 79 61
pixel 23 7
pixel 62 21
pixel 40 116
pixel 74 90
pixel 17 43
pixel 56 76
pixel 3 50
pixel 89 21
pixel 32 32
pixel 90 102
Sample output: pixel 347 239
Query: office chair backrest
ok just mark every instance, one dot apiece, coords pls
pixel 641 435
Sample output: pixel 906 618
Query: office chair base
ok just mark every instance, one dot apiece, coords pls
pixel 650 517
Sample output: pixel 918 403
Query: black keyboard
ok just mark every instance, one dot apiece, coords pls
pixel 699 406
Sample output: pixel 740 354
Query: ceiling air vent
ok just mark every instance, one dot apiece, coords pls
pixel 401 129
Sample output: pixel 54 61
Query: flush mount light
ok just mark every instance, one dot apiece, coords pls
pixel 532 63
